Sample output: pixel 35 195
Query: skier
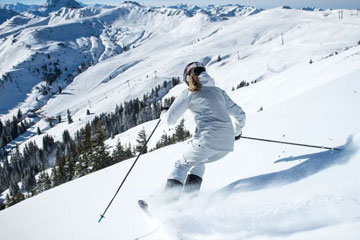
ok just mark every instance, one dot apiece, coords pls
pixel 214 136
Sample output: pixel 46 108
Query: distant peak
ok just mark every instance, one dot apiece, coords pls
pixel 62 3
pixel 133 3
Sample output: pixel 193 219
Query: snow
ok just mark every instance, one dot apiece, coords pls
pixel 261 190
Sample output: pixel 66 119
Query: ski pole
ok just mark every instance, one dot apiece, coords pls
pixel 132 166
pixel 290 143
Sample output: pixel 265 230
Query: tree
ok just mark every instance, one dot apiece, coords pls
pixel 69 117
pixel 1 127
pixel 28 182
pixel 58 171
pixel 180 133
pixel 141 140
pixel 164 141
pixel 59 118
pixel 19 114
pixel 82 166
pixel 242 84
pixel 100 157
pixel 43 183
pixel 66 136
pixel 86 139
pixel 119 153
pixel 54 177
pixel 218 59
pixel 9 201
pixel 14 188
pixel 48 143
pixel 128 151
pixel 69 168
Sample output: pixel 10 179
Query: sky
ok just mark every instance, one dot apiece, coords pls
pixel 349 4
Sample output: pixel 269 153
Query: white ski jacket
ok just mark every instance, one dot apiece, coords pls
pixel 212 108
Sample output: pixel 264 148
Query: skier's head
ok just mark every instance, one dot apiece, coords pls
pixel 191 76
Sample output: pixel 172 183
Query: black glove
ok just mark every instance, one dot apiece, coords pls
pixel 238 137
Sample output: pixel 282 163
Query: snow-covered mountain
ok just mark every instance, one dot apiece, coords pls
pixel 54 5
pixel 302 68
pixel 75 39
pixel 20 7
pixel 230 10
pixel 6 14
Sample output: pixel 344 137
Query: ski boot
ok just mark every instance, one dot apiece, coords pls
pixel 192 184
pixel 173 189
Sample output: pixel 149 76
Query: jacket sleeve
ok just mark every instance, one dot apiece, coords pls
pixel 177 108
pixel 235 111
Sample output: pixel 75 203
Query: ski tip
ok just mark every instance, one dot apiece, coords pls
pixel 143 204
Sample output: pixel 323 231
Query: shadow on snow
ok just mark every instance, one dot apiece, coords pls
pixel 313 164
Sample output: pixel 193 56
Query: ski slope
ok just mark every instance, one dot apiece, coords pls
pixel 259 191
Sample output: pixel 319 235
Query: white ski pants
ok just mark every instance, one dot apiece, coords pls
pixel 193 161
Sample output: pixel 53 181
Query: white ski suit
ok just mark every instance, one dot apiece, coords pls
pixel 215 134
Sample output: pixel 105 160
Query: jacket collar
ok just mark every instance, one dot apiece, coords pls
pixel 206 80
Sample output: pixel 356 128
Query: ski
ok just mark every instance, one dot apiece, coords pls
pixel 144 206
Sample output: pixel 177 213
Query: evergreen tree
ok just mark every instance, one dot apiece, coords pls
pixel 38 131
pixel 54 177
pixel 69 117
pixel 22 127
pixel 66 136
pixel 119 153
pixel 60 162
pixel 100 157
pixel 48 143
pixel 86 139
pixel 128 152
pixel 180 134
pixel 43 183
pixel 1 127
pixel 82 166
pixel 19 114
pixel 69 168
pixel 164 141
pixel 9 201
pixel 17 169
pixel 28 182
pixel 5 175
pixel 141 140
pixel 14 189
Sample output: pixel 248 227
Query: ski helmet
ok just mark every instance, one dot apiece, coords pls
pixel 198 68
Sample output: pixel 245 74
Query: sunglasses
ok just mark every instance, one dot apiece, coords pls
pixel 198 68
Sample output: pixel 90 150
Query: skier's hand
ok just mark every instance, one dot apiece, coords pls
pixel 238 130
